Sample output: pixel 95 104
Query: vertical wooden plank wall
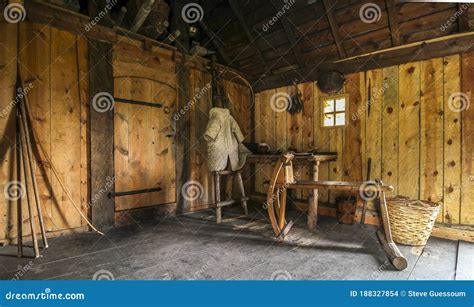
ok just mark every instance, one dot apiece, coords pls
pixel 55 63
pixel 8 53
pixel 409 130
pixel 452 140
pixel 417 129
pixel 467 153
pixel 431 137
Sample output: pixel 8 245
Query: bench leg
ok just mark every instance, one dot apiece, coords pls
pixel 313 200
pixel 240 183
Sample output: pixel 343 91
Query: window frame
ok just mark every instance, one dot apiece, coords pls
pixel 334 97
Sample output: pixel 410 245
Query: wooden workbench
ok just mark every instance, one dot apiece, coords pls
pixel 313 162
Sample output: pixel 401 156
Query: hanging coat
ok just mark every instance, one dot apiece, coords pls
pixel 224 138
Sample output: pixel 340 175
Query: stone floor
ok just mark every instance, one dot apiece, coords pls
pixel 194 247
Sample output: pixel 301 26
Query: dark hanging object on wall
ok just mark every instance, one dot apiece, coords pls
pixel 296 104
pixel 331 82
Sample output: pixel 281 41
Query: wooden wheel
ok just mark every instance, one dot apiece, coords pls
pixel 276 197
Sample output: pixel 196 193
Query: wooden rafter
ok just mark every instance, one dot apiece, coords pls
pixel 393 21
pixel 235 6
pixel 334 29
pixel 290 36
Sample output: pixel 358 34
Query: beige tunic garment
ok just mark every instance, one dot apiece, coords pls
pixel 224 138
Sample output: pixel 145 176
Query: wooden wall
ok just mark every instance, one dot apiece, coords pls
pixel 55 63
pixel 415 140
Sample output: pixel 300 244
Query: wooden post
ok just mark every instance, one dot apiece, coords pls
pixel 313 200
pixel 101 136
pixel 183 132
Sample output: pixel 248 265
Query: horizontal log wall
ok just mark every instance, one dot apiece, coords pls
pixel 55 63
pixel 415 136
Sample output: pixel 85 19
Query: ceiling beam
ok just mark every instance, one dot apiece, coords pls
pixel 392 13
pixel 419 51
pixel 334 29
pixel 235 6
pixel 287 26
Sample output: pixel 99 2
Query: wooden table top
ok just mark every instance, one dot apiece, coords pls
pixel 322 157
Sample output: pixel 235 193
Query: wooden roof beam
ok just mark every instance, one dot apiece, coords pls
pixel 235 6
pixel 392 13
pixel 418 51
pixel 334 29
pixel 290 36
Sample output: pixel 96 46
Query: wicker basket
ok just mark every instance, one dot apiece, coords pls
pixel 411 221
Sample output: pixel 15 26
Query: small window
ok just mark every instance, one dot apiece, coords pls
pixel 334 111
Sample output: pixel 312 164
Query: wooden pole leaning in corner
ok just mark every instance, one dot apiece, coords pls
pixel 28 198
pixel 385 237
pixel 31 166
pixel 18 201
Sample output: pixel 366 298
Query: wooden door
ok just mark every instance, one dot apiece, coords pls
pixel 144 138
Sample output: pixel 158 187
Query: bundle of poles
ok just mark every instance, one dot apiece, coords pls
pixel 26 163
